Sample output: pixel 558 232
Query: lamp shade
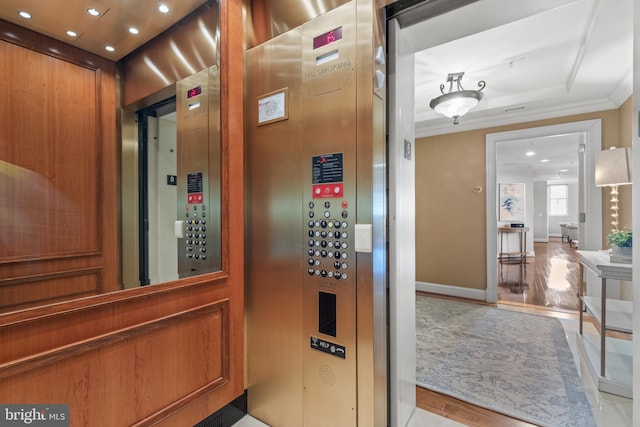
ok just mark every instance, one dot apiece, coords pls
pixel 456 103
pixel 613 167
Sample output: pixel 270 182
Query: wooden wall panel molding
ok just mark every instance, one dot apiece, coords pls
pixel 39 360
pixel 17 293
pixel 78 320
pixel 52 170
pixel 143 373
pixel 57 157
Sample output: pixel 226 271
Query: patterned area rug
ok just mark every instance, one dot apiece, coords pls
pixel 513 363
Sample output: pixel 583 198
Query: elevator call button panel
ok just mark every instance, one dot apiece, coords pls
pixel 329 228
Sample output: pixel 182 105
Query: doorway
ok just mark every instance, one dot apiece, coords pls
pixel 548 168
pixel 403 44
pixel 589 136
pixel 157 193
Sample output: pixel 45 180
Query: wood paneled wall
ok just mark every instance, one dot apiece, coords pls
pixel 168 354
pixel 57 172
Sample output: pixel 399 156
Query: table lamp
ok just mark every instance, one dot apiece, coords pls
pixel 613 168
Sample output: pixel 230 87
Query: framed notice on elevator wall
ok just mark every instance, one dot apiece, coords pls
pixel 511 202
pixel 273 107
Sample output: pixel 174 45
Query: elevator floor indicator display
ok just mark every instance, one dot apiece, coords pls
pixel 329 347
pixel 328 175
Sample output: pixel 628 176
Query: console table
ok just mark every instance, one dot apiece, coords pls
pixel 610 360
pixel 522 233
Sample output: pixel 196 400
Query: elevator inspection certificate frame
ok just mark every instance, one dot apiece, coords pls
pixel 272 107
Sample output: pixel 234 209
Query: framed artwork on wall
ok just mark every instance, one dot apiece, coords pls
pixel 511 202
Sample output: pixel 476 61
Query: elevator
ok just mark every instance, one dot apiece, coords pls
pixel 315 217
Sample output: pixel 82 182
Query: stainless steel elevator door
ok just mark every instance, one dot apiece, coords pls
pixel 301 272
pixel 274 211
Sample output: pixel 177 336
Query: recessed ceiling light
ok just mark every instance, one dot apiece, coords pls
pixel 564 170
pixel 110 48
pixel 25 15
pixel 530 153
pixel 134 30
pixel 545 161
pixel 163 8
pixel 93 11
pixel 71 33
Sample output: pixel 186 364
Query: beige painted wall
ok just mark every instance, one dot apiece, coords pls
pixel 450 216
pixel 626 132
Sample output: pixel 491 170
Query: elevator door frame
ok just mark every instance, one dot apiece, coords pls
pixel 156 110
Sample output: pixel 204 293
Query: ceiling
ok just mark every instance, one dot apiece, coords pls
pixel 111 28
pixel 541 59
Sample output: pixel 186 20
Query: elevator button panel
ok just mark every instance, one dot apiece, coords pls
pixel 196 232
pixel 329 240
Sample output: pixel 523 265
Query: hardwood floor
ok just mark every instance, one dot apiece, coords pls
pixel 549 280
pixel 463 412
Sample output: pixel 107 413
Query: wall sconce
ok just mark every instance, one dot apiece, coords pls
pixel 613 168
pixel 457 103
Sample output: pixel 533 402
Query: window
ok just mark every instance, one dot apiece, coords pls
pixel 558 204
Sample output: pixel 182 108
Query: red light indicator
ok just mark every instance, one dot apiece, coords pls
pixel 327 38
pixel 194 92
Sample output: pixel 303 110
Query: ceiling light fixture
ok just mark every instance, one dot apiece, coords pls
pixel 163 8
pixel 24 14
pixel 134 30
pixel 110 48
pixel 71 33
pixel 457 103
pixel 530 153
pixel 93 11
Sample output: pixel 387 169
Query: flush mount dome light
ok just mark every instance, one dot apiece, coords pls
pixel 457 103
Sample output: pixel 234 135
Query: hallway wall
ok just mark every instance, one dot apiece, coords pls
pixel 450 217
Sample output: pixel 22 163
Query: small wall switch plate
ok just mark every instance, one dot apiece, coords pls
pixel 407 149
pixel 363 239
pixel 178 229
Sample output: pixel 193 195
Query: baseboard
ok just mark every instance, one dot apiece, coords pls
pixel 228 415
pixel 452 291
pixel 541 240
